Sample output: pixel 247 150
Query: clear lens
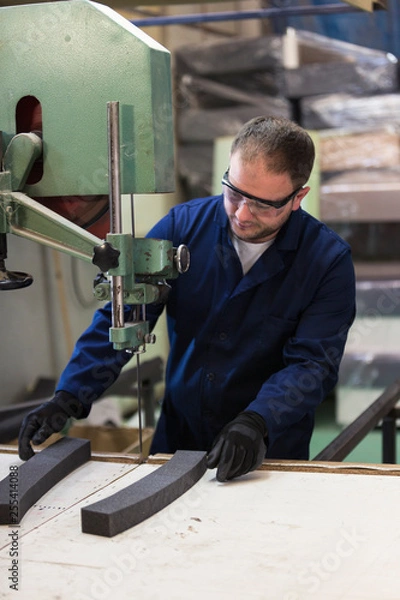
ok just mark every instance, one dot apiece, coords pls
pixel 256 206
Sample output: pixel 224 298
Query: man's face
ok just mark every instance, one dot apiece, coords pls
pixel 251 221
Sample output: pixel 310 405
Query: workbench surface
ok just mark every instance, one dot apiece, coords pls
pixel 274 534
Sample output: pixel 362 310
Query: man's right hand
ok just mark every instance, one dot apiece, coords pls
pixel 47 419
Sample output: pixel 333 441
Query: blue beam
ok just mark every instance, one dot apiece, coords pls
pixel 267 13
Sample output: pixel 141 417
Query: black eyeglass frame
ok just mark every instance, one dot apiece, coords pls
pixel 274 204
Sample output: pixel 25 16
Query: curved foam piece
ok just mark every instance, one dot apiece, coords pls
pixel 28 482
pixel 145 497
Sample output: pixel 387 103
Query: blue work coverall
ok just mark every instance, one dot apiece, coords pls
pixel 270 341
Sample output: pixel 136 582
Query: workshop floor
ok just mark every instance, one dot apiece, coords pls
pixel 326 429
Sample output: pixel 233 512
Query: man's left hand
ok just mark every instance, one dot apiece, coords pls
pixel 240 446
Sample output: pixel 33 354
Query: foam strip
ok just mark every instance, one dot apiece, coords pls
pixel 30 481
pixel 144 498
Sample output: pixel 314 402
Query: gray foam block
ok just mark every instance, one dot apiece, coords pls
pixel 144 498
pixel 28 482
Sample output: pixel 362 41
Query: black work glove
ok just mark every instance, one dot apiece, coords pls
pixel 240 446
pixel 47 419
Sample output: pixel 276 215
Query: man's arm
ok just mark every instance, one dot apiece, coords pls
pixel 93 367
pixel 311 357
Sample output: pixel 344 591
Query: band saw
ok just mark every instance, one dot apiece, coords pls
pixel 86 117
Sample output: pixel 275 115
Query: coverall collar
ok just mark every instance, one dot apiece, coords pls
pixel 273 260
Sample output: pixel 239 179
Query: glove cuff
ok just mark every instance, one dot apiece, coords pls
pixel 71 405
pixel 253 419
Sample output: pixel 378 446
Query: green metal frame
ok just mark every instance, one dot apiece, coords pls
pixel 152 259
pixel 64 62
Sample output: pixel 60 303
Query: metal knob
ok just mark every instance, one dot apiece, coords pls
pixel 182 258
pixel 105 257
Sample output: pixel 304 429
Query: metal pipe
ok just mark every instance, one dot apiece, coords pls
pixel 266 13
pixel 389 433
pixel 114 175
pixel 114 167
pixel 350 437
pixel 133 215
pixel 389 440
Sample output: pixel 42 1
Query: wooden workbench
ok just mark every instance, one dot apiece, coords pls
pixel 289 531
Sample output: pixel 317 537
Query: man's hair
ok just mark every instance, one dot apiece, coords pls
pixel 283 146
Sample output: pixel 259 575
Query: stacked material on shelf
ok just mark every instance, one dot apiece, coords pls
pixel 360 185
pixel 356 112
pixel 221 85
pixel 372 358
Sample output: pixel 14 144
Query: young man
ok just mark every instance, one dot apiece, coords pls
pixel 257 325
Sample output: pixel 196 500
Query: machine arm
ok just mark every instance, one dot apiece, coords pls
pixel 27 218
pixel 139 266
